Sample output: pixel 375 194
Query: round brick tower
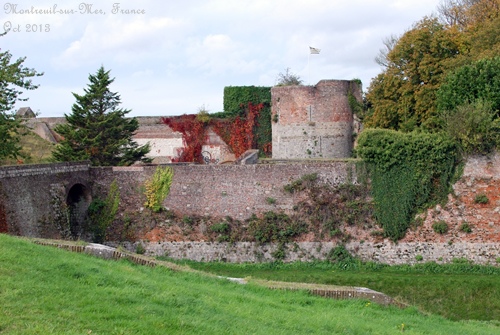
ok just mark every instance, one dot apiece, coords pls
pixel 313 121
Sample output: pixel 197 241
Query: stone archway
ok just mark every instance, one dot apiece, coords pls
pixel 78 201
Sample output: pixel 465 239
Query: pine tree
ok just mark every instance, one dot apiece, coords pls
pixel 97 129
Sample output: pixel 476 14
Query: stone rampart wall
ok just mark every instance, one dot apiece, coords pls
pixel 237 191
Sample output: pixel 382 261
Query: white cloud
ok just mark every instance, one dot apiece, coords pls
pixel 219 54
pixel 180 54
pixel 121 41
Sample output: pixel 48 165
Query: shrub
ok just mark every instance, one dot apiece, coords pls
pixel 419 258
pixel 481 199
pixel 440 227
pixel 275 227
pixel 158 188
pixel 339 254
pixel 466 228
pixel 139 249
pixel 101 213
pixel 302 183
pixel 280 253
pixel 288 78
pixel 220 228
pixel 270 201
pixel 186 219
pixel 474 126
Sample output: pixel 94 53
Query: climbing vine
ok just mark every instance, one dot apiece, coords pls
pixel 237 131
pixel 193 136
pixel 158 187
pixel 103 212
pixel 409 172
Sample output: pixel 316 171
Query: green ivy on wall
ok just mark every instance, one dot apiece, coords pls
pixel 409 172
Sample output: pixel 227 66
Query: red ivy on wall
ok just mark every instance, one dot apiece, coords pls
pixel 193 136
pixel 237 132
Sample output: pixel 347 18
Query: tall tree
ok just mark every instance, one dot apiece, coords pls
pixel 14 78
pixel 476 81
pixel 402 97
pixel 97 129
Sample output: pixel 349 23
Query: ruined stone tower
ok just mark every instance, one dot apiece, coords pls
pixel 313 121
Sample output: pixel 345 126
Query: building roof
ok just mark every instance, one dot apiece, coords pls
pixel 25 112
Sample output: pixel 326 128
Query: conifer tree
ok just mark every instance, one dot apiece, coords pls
pixel 97 129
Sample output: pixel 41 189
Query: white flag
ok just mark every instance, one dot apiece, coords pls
pixel 314 51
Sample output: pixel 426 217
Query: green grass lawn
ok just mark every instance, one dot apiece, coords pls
pixel 45 290
pixel 457 291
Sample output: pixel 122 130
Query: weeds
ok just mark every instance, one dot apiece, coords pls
pixel 481 199
pixel 440 227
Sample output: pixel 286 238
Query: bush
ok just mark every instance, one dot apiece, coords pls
pixel 471 82
pixel 101 213
pixel 186 219
pixel 440 227
pixel 474 126
pixel 481 199
pixel 275 227
pixel 271 201
pixel 419 258
pixel 158 187
pixel 466 228
pixel 302 183
pixel 339 254
pixel 288 78
pixel 220 228
pixel 139 249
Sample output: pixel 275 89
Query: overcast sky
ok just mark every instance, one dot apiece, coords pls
pixel 179 55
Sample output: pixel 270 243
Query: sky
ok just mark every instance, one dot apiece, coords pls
pixel 175 57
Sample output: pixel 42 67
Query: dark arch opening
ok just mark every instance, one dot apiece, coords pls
pixel 78 201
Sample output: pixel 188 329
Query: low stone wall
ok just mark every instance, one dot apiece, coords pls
pixel 384 252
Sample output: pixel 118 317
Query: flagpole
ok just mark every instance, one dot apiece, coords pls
pixel 314 51
pixel 308 68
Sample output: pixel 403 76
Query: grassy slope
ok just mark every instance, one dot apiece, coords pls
pixel 456 291
pixel 45 290
pixel 36 148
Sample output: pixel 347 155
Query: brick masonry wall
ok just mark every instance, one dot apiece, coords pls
pixel 237 191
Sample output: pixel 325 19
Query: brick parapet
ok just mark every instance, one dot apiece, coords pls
pixel 42 169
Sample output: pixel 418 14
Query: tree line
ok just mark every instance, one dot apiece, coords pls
pixel 443 74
